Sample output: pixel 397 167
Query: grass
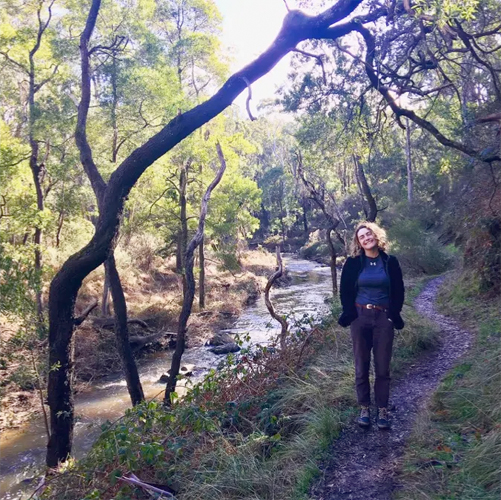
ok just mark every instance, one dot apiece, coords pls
pixel 455 450
pixel 257 429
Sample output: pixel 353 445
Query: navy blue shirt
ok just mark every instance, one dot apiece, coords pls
pixel 373 283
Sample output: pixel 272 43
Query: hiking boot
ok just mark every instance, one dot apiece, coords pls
pixel 364 420
pixel 382 419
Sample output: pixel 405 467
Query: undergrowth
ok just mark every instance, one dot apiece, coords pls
pixel 258 428
pixel 455 450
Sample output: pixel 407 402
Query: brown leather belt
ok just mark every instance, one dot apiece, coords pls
pixel 372 306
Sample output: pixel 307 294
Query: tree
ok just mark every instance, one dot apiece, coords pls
pixel 37 161
pixel 98 185
pixel 317 195
pixel 190 282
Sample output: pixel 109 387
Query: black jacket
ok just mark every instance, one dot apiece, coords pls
pixel 349 288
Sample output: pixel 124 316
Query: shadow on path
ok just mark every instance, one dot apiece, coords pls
pixel 363 462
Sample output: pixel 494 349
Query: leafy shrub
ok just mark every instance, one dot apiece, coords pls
pixel 314 250
pixel 418 251
pixel 482 253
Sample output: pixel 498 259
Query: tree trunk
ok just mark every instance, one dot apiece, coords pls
pixel 305 217
pixel 65 285
pixel 63 291
pixel 366 190
pixel 38 172
pixel 188 297
pixel 284 327
pixel 122 332
pixel 361 192
pixel 183 231
pixel 201 280
pixel 114 104
pixel 332 250
pixel 410 175
pixel 105 304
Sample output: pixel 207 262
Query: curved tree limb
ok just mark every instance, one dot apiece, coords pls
pixel 249 99
pixel 272 279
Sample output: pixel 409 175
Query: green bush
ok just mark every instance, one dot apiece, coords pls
pixel 314 250
pixel 418 251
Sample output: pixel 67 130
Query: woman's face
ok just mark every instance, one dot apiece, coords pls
pixel 366 238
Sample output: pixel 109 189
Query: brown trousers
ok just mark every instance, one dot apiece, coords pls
pixel 372 330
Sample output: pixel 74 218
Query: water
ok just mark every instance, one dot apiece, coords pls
pixel 22 451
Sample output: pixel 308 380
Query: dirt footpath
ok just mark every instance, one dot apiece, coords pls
pixel 363 462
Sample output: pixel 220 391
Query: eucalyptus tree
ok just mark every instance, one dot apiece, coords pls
pixel 189 30
pixel 29 59
pixel 334 22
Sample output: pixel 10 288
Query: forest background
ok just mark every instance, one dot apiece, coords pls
pixel 343 155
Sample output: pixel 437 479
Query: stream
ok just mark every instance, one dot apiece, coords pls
pixel 22 451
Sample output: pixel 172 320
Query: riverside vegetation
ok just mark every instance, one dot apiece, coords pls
pixel 152 288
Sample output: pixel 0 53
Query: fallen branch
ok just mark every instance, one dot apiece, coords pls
pixel 78 321
pixel 273 278
pixel 138 342
pixel 133 480
pixel 110 322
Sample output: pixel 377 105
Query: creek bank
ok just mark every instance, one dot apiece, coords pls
pixel 154 302
pixel 363 463
pixel 108 399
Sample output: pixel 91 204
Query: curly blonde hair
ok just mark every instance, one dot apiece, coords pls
pixel 379 233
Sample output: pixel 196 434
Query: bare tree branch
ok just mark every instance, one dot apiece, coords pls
pixel 400 111
pixel 249 98
pixel 271 280
pixel 78 321
pixel 319 59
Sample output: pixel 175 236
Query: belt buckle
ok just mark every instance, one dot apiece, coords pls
pixel 370 306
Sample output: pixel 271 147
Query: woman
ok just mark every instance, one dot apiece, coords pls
pixel 372 295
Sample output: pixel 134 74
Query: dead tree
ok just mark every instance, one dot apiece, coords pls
pixel 297 27
pixel 272 279
pixel 189 295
